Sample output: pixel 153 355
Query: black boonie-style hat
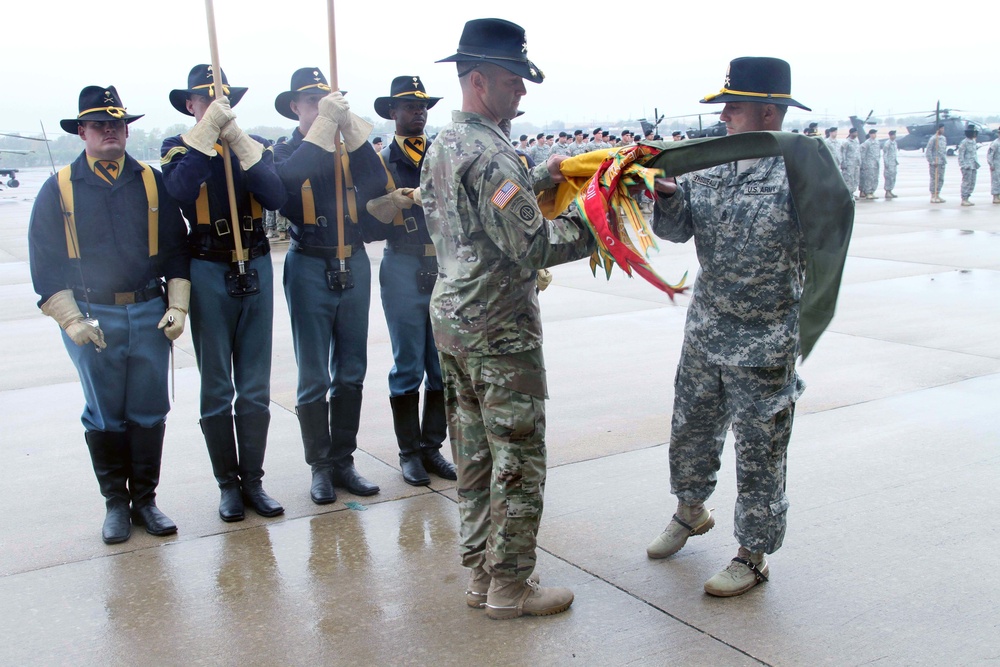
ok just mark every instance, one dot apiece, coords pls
pixel 499 42
pixel 201 82
pixel 403 88
pixel 752 79
pixel 305 80
pixel 98 103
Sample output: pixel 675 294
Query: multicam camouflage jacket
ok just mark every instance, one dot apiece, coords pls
pixel 745 306
pixel 490 237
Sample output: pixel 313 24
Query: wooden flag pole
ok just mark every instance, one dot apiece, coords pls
pixel 338 170
pixel 234 211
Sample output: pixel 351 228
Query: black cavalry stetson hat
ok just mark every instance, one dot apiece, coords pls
pixel 201 82
pixel 765 80
pixel 403 88
pixel 98 103
pixel 499 42
pixel 305 80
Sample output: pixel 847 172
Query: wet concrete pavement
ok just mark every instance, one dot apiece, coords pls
pixel 893 470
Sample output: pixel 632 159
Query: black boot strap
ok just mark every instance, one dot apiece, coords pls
pixel 678 520
pixel 753 567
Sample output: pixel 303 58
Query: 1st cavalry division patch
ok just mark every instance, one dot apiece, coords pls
pixel 504 194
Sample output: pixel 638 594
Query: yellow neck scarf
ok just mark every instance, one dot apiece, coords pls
pixel 413 147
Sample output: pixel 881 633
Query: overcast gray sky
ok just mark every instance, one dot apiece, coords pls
pixel 602 61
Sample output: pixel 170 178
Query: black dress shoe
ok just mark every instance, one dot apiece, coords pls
pixel 230 503
pixel 437 464
pixel 321 491
pixel 347 477
pixel 413 470
pixel 156 522
pixel 262 504
pixel 117 527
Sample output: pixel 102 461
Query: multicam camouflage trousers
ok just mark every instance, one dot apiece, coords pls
pixel 496 423
pixel 968 182
pixel 937 177
pixel 760 405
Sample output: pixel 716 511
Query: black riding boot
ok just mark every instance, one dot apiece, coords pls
pixel 109 454
pixel 251 433
pixel 315 426
pixel 434 431
pixel 221 444
pixel 146 448
pixel 345 418
pixel 406 424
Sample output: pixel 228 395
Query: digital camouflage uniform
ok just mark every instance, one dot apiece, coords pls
pixel 936 153
pixel 871 153
pixel 850 163
pixel 737 364
pixel 993 160
pixel 491 239
pixel 890 162
pixel 968 162
pixel 834 146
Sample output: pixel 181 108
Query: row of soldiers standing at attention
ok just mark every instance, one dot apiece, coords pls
pixel 119 250
pixel 859 162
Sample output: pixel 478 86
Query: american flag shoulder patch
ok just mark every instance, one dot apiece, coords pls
pixel 504 194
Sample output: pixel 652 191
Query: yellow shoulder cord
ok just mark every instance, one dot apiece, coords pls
pixel 69 221
pixel 153 201
pixel 390 185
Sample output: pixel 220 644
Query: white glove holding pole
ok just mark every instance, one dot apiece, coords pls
pixel 247 149
pixel 205 133
pixel 385 208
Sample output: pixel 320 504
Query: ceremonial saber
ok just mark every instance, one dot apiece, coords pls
pixel 338 172
pixel 217 83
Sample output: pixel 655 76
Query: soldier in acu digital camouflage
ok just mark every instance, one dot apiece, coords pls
pixel 968 162
pixel 890 162
pixel 871 153
pixel 936 153
pixel 491 238
pixel 737 365
pixel 850 161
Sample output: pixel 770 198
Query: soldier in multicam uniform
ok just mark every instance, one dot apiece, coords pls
pixel 890 161
pixel 936 153
pixel 850 160
pixel 741 338
pixel 871 153
pixel 993 160
pixel 491 238
pixel 968 162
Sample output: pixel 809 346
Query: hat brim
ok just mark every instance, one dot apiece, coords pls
pixel 179 97
pixel 523 68
pixel 71 125
pixel 730 97
pixel 383 105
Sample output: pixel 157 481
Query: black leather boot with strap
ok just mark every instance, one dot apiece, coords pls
pixel 406 424
pixel 315 426
pixel 345 418
pixel 146 449
pixel 434 430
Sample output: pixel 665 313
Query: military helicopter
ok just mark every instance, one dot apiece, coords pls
pixel 11 174
pixel 954 130
pixel 715 130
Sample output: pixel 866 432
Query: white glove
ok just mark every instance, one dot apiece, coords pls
pixel 178 301
pixel 247 149
pixel 205 133
pixel 417 198
pixel 335 107
pixel 385 208
pixel 543 278
pixel 62 307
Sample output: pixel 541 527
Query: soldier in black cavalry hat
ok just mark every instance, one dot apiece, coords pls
pixel 231 312
pixel 103 236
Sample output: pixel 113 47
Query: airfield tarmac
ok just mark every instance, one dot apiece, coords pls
pixel 892 477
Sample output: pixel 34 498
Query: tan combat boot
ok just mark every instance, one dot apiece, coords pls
pixel 743 573
pixel 966 202
pixel 996 199
pixel 509 598
pixel 689 520
pixel 479 586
